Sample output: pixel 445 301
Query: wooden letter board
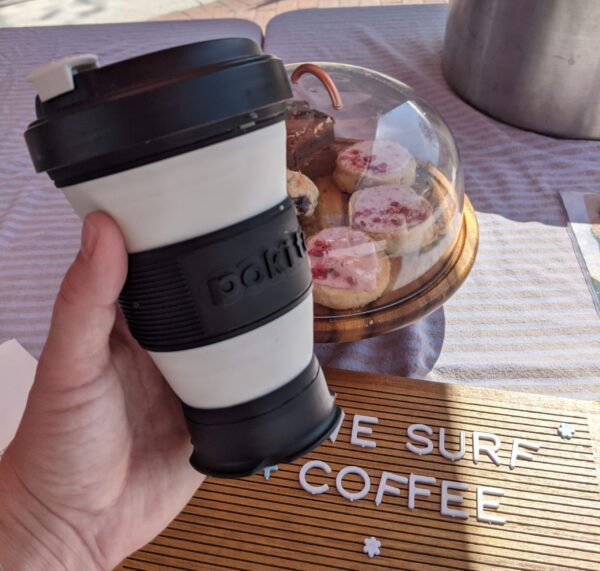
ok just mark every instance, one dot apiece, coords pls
pixel 551 503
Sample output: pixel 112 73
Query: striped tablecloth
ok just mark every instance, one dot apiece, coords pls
pixel 524 319
pixel 39 232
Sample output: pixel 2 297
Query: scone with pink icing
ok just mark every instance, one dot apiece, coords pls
pixel 348 270
pixel 374 163
pixel 395 214
pixel 303 192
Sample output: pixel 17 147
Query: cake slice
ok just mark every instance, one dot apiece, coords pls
pixel 310 138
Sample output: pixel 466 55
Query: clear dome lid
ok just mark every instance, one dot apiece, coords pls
pixel 375 176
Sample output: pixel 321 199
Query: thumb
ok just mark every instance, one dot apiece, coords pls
pixel 77 349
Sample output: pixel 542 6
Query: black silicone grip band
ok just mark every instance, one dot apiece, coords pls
pixel 219 285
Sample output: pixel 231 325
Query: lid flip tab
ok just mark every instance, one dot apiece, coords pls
pixel 55 78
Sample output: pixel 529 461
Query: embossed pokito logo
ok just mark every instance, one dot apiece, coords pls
pixel 232 283
pixel 194 292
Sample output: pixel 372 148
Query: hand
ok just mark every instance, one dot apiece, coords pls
pixel 99 465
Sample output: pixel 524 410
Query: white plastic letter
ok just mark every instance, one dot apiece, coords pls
pixel 489 450
pixel 384 487
pixel 410 431
pixel 333 436
pixel 414 491
pixel 482 504
pixel 358 429
pixel 353 495
pixel 309 487
pixel 451 498
pixel 454 456
pixel 517 453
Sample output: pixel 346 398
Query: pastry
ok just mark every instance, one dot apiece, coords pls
pixel 303 192
pixel 309 141
pixel 348 270
pixel 374 163
pixel 333 204
pixel 433 185
pixel 395 214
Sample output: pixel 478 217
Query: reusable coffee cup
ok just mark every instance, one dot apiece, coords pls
pixel 185 149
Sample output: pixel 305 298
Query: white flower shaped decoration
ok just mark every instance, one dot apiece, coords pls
pixel 565 431
pixel 371 547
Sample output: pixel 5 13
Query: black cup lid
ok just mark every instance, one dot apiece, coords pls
pixel 154 106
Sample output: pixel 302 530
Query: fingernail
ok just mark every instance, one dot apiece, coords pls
pixel 89 238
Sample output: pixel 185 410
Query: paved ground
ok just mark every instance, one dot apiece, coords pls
pixel 261 11
pixel 56 12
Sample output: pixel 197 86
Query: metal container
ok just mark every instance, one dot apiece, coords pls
pixel 531 63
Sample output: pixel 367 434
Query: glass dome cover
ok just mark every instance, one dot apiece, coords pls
pixel 384 220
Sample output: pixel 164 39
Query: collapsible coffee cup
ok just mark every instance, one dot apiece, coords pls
pixel 185 149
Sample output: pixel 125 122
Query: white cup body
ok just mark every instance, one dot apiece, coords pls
pixel 189 195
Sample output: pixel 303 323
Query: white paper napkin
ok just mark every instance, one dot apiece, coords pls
pixel 17 371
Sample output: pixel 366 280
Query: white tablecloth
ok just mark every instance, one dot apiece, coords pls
pixel 524 319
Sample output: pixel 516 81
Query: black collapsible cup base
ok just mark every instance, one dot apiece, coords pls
pixel 277 428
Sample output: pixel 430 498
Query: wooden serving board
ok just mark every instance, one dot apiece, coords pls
pixel 550 503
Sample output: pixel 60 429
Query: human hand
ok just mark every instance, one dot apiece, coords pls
pixel 99 465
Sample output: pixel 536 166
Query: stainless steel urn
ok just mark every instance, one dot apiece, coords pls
pixel 531 63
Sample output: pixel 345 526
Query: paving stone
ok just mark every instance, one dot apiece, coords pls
pixel 261 11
